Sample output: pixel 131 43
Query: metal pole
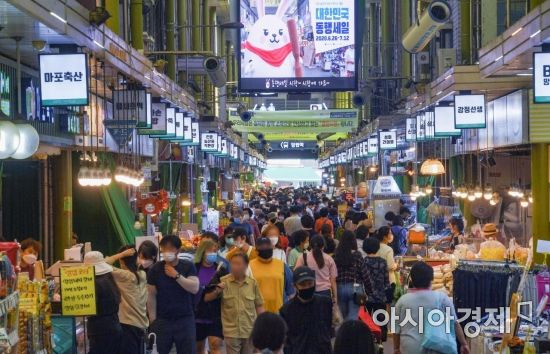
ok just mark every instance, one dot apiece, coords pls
pixel 170 13
pixel 113 22
pixel 136 23
pixel 182 42
pixel 18 72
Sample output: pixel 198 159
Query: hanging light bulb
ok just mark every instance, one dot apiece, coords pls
pixel 478 192
pixel 84 177
pixel 488 193
pixel 428 190
pixel 524 203
pixel 530 197
pixel 463 193
pixel 471 196
pixel 512 192
pixel 520 193
pixel 493 202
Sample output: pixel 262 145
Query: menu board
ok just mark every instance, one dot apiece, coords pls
pixel 78 297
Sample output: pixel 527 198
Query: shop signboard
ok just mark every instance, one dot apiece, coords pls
pixel 242 155
pixel 410 133
pixel 541 77
pixel 170 125
pixel 298 46
pixel 131 105
pixel 286 145
pixel 470 111
pixel 64 79
pixel 315 122
pixel 350 154
pixel 209 142
pixel 179 127
pixel 234 152
pixel 429 125
pixel 444 122
pixel 420 127
pixel 365 145
pixel 388 140
pixel 190 154
pixel 219 146
pixel 373 146
pixel 78 297
pixel 224 151
pixel 332 160
pixel 158 119
pixel 195 133
pixel 148 110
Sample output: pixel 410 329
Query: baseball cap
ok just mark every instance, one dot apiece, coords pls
pixel 303 273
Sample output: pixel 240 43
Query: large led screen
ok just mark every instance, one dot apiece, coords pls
pixel 297 45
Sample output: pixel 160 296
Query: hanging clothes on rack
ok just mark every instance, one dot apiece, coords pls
pixel 484 285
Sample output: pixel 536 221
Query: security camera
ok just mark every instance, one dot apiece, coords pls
pixel 39 45
pixel 358 100
pixel 244 113
pixel 214 71
pixel 260 136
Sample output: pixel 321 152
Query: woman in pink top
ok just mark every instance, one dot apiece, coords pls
pixel 324 267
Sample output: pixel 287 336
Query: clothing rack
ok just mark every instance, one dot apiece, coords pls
pixel 489 265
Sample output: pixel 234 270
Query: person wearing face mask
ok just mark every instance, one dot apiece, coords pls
pixel 240 238
pixel 132 313
pixel 171 285
pixel 147 255
pixel 207 314
pixel 227 242
pixel 271 220
pixel 239 222
pixel 301 244
pixel 273 276
pixel 248 218
pixel 308 317
pixel 30 249
pixel 273 234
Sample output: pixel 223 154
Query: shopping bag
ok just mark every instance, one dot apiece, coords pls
pixel 436 338
pixel 365 317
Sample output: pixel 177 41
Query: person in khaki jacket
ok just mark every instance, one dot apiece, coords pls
pixel 241 303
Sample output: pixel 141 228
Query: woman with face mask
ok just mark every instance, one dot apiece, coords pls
pixel 30 249
pixel 147 255
pixel 132 284
pixel 273 276
pixel 273 234
pixel 208 314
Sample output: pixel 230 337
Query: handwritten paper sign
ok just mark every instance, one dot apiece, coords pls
pixel 78 296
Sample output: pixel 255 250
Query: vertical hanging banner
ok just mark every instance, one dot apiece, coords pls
pixel 187 133
pixel 410 133
pixel 388 140
pixel 158 120
pixel 195 133
pixel 148 110
pixel 470 111
pixel 420 127
pixel 179 127
pixel 373 146
pixel 224 148
pixel 429 125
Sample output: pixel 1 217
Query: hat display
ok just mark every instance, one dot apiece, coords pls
pixel 303 273
pixel 96 259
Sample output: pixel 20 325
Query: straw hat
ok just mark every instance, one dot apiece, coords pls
pixel 96 259
pixel 489 230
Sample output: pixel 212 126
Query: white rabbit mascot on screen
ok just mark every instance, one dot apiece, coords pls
pixel 268 49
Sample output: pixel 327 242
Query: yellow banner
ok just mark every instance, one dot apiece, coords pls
pixel 78 296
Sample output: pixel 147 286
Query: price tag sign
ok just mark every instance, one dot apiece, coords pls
pixel 388 140
pixel 445 122
pixel 78 297
pixel 470 111
pixel 410 134
pixel 209 142
pixel 541 78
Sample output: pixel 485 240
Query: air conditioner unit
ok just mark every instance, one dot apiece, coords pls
pixel 446 58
